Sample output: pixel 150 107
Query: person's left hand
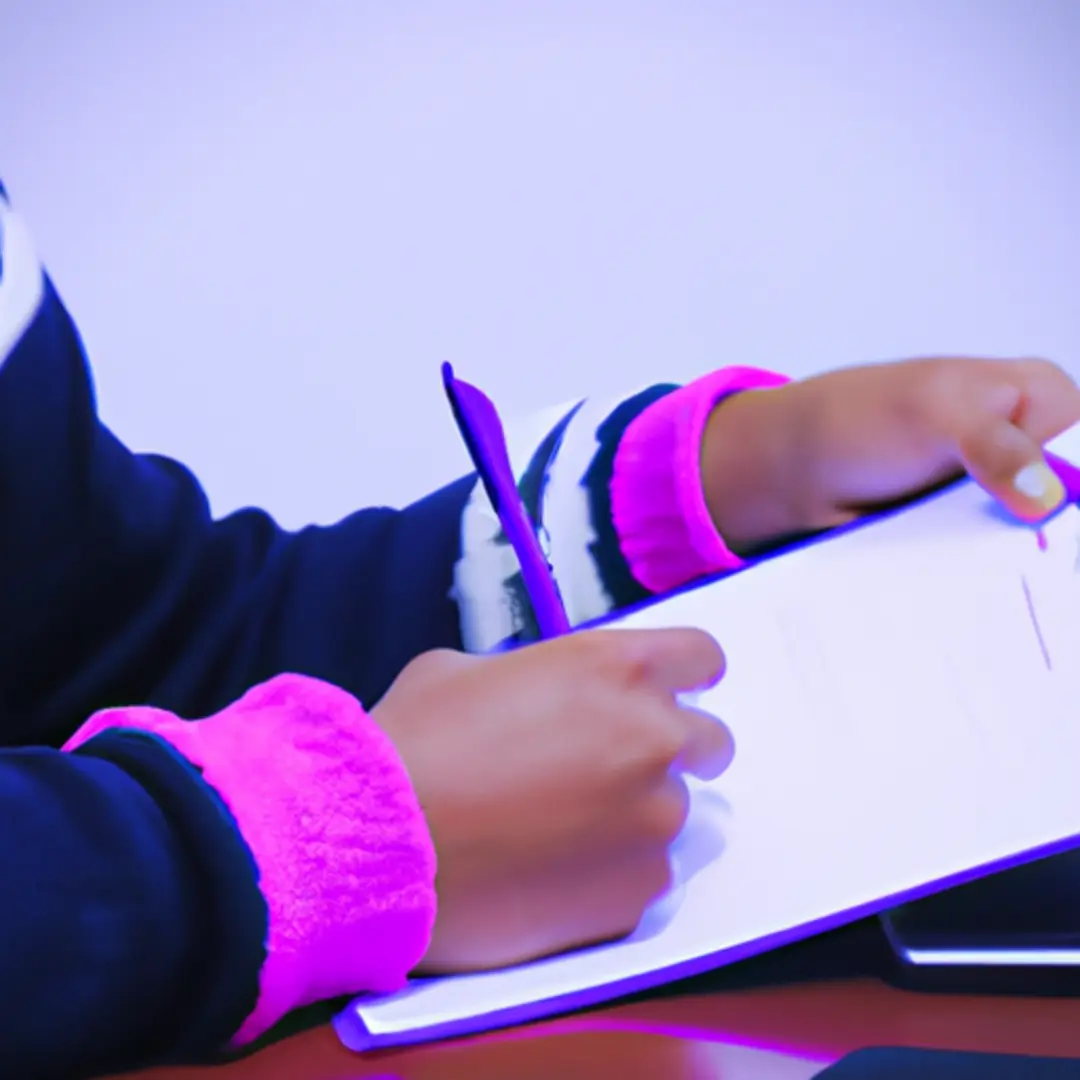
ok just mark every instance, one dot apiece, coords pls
pixel 818 453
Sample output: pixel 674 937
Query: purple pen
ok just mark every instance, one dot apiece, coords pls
pixel 483 435
pixel 1067 473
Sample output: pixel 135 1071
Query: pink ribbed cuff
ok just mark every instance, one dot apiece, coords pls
pixel 346 862
pixel 658 502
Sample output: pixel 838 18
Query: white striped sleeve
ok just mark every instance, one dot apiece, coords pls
pixel 562 460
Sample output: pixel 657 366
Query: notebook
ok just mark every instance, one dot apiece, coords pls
pixel 903 700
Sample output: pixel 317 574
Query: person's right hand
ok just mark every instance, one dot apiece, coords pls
pixel 549 777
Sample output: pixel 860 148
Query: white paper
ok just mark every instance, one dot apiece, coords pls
pixel 896 722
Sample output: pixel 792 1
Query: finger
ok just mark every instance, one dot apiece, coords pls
pixel 669 810
pixel 673 660
pixel 709 747
pixel 1050 399
pixel 1009 464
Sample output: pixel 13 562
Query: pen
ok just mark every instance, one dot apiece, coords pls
pixel 484 438
pixel 1069 475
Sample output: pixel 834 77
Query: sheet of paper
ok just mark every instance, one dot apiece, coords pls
pixel 900 699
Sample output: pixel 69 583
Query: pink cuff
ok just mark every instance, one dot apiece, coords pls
pixel 346 862
pixel 658 503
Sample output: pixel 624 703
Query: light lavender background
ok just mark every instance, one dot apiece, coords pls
pixel 275 218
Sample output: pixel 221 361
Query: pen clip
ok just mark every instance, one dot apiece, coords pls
pixel 483 435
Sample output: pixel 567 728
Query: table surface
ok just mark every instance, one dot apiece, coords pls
pixel 780 1033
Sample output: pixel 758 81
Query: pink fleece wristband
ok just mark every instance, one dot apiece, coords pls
pixel 658 503
pixel 346 862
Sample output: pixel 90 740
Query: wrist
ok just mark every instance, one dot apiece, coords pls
pixel 658 506
pixel 756 467
pixel 336 836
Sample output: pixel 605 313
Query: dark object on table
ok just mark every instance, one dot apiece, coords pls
pixel 1017 932
pixel 886 1063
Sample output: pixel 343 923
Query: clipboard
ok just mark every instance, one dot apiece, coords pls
pixel 1026 948
pixel 439 1008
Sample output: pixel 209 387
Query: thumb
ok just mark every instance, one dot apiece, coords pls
pixel 1010 466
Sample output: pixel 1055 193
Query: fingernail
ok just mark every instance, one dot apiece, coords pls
pixel 1039 482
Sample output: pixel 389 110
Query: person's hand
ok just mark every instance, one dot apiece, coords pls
pixel 815 454
pixel 549 777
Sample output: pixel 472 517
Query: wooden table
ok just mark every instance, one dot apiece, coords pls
pixel 770 1033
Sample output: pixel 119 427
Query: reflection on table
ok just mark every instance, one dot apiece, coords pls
pixel 769 1033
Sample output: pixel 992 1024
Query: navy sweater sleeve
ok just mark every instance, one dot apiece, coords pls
pixel 118 587
pixel 131 925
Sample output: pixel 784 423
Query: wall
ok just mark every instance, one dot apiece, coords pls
pixel 274 218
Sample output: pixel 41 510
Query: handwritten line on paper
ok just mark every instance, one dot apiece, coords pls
pixel 1035 623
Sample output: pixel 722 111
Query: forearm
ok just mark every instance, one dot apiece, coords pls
pixel 749 469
